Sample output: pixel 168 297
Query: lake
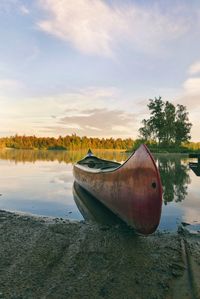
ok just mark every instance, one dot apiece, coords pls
pixel 41 183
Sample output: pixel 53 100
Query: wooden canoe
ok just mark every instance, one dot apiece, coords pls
pixel 132 190
pixel 92 209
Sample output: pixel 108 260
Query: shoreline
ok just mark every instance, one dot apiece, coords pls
pixel 42 257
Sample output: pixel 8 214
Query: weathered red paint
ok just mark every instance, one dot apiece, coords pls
pixel 133 190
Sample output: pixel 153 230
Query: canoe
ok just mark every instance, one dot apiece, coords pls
pixel 131 190
pixel 92 209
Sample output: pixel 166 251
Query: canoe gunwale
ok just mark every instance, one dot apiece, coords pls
pixel 99 170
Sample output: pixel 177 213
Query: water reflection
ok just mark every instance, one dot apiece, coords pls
pixel 60 156
pixel 174 171
pixel 40 182
pixel 91 209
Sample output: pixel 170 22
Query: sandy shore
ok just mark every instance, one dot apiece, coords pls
pixel 43 258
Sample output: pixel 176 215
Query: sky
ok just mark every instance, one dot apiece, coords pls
pixel 90 66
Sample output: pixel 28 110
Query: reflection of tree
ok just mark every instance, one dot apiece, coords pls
pixel 60 156
pixel 174 176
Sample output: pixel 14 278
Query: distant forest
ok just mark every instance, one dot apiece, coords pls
pixel 74 142
pixel 69 142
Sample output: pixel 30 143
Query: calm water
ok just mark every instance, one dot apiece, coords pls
pixel 41 183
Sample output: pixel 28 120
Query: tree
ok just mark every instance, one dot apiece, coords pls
pixel 145 131
pixel 167 125
pixel 156 121
pixel 182 126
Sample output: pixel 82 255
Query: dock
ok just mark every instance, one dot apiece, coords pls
pixel 195 155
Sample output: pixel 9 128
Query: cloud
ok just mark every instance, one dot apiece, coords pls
pixel 24 10
pixel 98 122
pixel 190 94
pixel 194 68
pixel 93 128
pixel 190 97
pixel 9 6
pixel 95 122
pixel 69 101
pixel 95 27
pixel 192 102
pixel 73 102
pixel 192 86
pixel 85 112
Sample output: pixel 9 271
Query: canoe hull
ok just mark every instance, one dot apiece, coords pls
pixel 132 191
pixel 92 209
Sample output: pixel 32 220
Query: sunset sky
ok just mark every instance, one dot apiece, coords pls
pixel 89 66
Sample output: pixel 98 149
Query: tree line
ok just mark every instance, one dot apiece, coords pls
pixel 78 143
pixel 69 142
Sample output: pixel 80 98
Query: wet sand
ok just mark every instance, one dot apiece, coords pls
pixel 46 258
